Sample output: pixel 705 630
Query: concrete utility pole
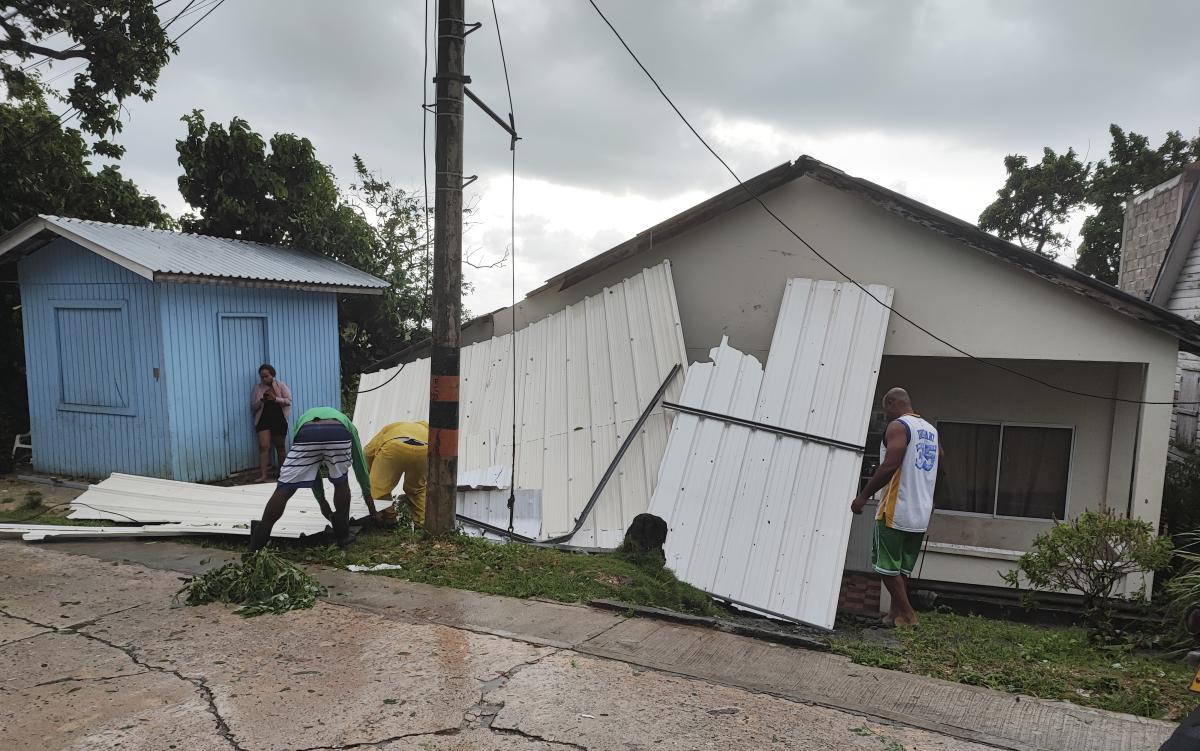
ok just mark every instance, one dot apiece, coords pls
pixel 447 269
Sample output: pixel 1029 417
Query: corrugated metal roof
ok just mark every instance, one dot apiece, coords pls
pixel 584 376
pixel 759 518
pixel 149 500
pixel 162 254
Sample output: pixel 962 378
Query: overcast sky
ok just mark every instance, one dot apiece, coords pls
pixel 925 97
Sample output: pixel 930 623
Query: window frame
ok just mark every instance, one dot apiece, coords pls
pixel 131 386
pixel 1002 424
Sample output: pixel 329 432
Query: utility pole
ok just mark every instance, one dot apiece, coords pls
pixel 447 268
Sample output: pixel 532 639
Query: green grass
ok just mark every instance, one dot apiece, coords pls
pixel 55 516
pixel 1042 661
pixel 514 570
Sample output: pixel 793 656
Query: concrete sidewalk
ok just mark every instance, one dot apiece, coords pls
pixel 964 712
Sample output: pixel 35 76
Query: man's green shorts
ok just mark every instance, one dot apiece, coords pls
pixel 895 551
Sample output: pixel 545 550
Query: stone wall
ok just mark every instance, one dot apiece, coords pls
pixel 1150 220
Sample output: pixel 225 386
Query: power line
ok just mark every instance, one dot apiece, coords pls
pixel 512 218
pixel 218 4
pixel 755 197
pixel 425 301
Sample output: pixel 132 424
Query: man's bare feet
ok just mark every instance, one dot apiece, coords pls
pixel 907 621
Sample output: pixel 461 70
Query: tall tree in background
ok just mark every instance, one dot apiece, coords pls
pixel 280 193
pixel 1132 167
pixel 1036 200
pixel 119 47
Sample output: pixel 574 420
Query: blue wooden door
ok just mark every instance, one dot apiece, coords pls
pixel 243 349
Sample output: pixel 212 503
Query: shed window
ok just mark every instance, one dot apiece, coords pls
pixel 94 356
pixel 1001 469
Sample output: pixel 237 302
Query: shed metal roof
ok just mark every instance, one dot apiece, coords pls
pixel 163 255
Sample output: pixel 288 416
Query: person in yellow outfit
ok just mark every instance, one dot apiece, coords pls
pixel 401 449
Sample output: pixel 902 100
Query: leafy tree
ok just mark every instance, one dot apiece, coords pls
pixel 280 193
pixel 121 44
pixel 1092 554
pixel 1132 167
pixel 48 171
pixel 1036 199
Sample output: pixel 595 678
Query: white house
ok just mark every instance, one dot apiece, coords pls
pixel 1021 449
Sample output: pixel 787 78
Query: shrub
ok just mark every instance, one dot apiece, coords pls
pixel 1181 496
pixel 1092 554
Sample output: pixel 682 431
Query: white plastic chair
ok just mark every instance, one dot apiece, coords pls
pixel 22 441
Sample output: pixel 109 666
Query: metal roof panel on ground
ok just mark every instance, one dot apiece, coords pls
pixel 149 500
pixel 583 377
pixel 759 518
pixel 175 256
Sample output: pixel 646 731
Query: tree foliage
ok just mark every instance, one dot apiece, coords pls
pixel 1132 167
pixel 281 193
pixel 1037 199
pixel 1092 554
pixel 122 45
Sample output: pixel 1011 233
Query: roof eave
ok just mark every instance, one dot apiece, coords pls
pixel 1187 332
pixel 274 284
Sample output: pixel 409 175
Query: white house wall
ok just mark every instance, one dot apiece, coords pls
pixel 759 518
pixel 584 376
pixel 729 274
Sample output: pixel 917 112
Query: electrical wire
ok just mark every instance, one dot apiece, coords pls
pixel 756 198
pixel 512 218
pixel 425 299
pixel 48 509
pixel 376 388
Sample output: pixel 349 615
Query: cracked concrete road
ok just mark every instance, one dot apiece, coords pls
pixel 95 655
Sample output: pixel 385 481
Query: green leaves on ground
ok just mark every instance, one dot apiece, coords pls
pixel 261 582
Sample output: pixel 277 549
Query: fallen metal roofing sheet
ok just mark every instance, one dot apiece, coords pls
pixel 758 518
pixel 154 252
pixel 147 500
pixel 491 508
pixel 584 376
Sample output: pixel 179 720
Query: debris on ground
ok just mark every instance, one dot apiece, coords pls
pixel 261 582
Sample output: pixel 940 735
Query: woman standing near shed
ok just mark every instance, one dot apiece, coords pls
pixel 271 405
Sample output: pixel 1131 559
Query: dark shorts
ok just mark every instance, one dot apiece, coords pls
pixel 272 420
pixel 317 446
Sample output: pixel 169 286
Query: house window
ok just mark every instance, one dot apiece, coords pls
pixel 95 370
pixel 1001 469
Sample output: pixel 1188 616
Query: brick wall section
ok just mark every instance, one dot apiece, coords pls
pixel 1150 219
pixel 860 594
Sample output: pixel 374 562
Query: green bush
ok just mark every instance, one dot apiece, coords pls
pixel 1092 554
pixel 1181 496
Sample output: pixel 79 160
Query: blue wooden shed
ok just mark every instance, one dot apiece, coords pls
pixel 142 345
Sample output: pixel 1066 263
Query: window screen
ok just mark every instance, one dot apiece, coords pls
pixel 93 357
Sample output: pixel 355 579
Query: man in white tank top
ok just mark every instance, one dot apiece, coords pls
pixel 907 473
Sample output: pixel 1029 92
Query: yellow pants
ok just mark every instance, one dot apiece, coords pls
pixel 400 450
